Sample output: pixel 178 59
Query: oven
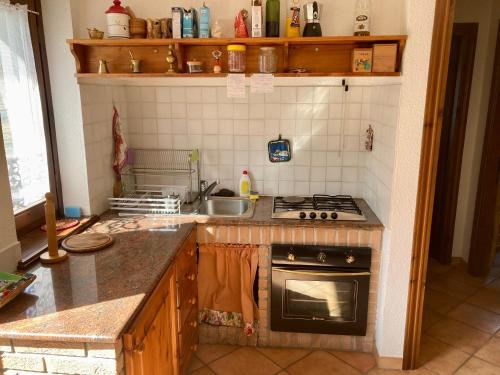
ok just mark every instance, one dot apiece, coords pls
pixel 320 289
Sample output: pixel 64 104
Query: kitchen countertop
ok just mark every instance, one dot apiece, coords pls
pixel 263 211
pixel 92 297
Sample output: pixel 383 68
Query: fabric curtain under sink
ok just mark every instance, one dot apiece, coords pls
pixel 226 274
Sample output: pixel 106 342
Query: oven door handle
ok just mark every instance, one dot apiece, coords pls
pixel 312 273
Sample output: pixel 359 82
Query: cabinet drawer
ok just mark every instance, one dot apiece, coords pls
pixel 188 340
pixel 188 303
pixel 187 256
pixel 187 282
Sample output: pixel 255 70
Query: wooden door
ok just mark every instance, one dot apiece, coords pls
pixel 151 343
pixel 483 230
pixel 461 66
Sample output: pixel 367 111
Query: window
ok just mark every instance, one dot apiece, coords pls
pixel 24 112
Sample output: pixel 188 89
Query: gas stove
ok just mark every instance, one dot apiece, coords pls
pixel 317 207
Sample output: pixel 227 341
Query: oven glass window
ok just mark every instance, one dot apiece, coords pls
pixel 322 300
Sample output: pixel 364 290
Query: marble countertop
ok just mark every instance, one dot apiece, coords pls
pixel 92 297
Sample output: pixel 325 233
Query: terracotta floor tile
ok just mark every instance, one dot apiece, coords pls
pixel 203 371
pixel 490 352
pixel 420 371
pixel 246 361
pixel 440 302
pixel 361 361
pixel 494 286
pixel 284 357
pixel 195 364
pixel 321 363
pixel 476 317
pixel 209 353
pixel 440 357
pixel 458 335
pixel 452 287
pixel 430 317
pixel 465 278
pixel 476 366
pixel 486 299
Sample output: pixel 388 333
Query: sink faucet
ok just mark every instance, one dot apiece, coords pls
pixel 207 190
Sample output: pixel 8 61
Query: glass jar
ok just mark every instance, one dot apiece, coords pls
pixel 236 58
pixel 268 60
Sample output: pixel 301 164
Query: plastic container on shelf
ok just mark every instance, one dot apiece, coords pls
pixel 236 58
pixel 268 60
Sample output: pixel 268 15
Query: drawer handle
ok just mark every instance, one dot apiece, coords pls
pixel 191 277
pixel 193 348
pixel 193 324
pixel 192 301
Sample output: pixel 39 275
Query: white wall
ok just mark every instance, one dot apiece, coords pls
pixel 398 237
pixel 337 17
pixel 57 23
pixel 487 14
pixel 10 249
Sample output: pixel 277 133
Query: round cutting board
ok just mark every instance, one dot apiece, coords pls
pixel 86 242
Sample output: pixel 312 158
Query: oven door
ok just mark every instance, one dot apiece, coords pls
pixel 319 301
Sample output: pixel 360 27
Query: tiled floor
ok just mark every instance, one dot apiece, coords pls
pixel 461 335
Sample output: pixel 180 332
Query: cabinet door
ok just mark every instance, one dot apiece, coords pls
pixel 151 345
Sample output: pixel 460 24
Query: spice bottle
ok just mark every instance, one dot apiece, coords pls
pixel 273 18
pixel 362 18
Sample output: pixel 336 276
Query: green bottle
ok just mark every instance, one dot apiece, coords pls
pixel 273 18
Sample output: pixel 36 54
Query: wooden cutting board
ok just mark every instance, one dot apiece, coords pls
pixel 86 242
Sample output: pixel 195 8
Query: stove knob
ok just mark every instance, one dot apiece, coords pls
pixel 302 215
pixel 312 215
pixel 324 215
pixel 290 256
pixel 349 259
pixel 321 257
pixel 334 215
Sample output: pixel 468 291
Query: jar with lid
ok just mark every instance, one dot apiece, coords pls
pixel 236 58
pixel 268 60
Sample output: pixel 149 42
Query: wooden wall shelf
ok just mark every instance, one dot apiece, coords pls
pixel 322 56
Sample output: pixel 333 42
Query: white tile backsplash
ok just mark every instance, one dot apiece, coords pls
pixel 325 125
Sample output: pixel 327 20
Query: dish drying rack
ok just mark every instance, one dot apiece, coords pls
pixel 158 181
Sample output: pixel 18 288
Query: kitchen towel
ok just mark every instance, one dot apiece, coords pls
pixel 226 274
pixel 121 153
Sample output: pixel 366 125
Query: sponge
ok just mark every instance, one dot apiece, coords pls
pixel 73 212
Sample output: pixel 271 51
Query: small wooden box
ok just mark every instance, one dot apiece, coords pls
pixel 362 60
pixel 384 57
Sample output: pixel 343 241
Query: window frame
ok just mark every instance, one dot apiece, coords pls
pixel 34 216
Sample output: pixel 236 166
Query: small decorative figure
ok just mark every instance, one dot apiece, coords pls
pixel 369 138
pixel 217 65
pixel 170 60
pixel 216 30
pixel 240 27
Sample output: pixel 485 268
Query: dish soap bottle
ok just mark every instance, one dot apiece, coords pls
pixel 245 184
pixel 273 18
pixel 362 18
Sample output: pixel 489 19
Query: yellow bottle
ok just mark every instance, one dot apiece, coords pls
pixel 245 184
pixel 293 23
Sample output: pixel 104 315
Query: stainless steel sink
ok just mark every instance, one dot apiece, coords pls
pixel 227 207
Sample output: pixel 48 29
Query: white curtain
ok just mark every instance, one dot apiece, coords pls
pixel 20 108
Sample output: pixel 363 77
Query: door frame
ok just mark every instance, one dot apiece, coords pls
pixel 448 175
pixel 433 120
pixel 484 213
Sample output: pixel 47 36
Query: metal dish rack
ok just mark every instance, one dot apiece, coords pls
pixel 158 181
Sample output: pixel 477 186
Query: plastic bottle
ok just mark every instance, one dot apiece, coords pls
pixel 273 18
pixel 362 18
pixel 245 184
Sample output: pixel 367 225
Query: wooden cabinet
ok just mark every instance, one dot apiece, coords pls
pixel 164 335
